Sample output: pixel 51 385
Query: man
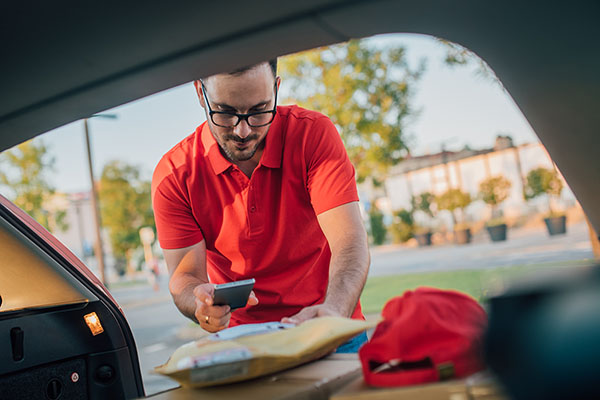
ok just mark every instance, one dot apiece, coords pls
pixel 265 192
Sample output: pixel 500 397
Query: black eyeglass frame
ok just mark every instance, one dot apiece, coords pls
pixel 241 117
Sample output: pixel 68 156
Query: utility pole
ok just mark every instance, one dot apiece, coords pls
pixel 98 247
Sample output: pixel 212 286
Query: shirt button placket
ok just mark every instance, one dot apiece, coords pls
pixel 251 198
pixel 253 217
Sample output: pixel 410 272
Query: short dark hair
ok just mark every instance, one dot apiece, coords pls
pixel 272 63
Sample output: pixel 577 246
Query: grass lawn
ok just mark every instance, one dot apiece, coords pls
pixel 479 283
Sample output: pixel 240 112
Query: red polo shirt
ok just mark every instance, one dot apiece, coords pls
pixel 264 227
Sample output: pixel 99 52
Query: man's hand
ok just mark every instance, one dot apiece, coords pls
pixel 319 310
pixel 210 317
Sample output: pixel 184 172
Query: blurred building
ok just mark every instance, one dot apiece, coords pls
pixel 80 235
pixel 466 169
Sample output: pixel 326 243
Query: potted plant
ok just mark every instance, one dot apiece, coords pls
pixel 403 226
pixel 423 202
pixel 493 191
pixel 454 200
pixel 546 181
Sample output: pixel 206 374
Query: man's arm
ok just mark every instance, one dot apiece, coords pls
pixel 187 269
pixel 349 265
pixel 191 290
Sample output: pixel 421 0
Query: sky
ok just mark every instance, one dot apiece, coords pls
pixel 456 107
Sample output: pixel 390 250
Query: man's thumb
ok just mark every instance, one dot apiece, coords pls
pixel 252 299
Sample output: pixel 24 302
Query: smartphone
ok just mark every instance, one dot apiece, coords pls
pixel 233 294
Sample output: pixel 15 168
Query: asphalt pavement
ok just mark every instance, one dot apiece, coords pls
pixel 159 328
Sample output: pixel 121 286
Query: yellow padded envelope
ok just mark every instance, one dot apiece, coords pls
pixel 249 351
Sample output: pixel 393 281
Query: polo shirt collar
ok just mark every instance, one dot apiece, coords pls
pixel 271 156
pixel 211 150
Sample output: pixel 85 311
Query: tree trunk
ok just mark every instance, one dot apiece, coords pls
pixel 550 211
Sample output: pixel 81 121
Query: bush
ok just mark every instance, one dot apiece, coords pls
pixel 423 202
pixel 495 190
pixel 543 181
pixel 452 200
pixel 378 231
pixel 403 226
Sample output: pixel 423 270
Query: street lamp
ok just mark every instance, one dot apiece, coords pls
pixel 95 206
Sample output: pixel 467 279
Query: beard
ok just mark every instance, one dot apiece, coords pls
pixel 229 147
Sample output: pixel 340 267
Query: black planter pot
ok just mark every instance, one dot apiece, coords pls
pixel 462 236
pixel 424 239
pixel 497 232
pixel 556 225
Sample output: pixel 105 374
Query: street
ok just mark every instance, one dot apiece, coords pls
pixel 159 328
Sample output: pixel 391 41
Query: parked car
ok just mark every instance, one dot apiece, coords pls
pixel 65 60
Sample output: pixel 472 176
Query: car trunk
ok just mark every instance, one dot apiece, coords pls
pixel 63 335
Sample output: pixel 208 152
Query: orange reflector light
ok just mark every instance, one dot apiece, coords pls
pixel 93 322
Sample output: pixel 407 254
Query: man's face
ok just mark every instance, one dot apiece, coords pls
pixel 251 91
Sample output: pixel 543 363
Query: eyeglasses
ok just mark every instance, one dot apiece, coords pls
pixel 226 119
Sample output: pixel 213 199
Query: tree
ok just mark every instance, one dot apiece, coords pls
pixel 494 191
pixel 403 226
pixel 457 55
pixel 365 91
pixel 424 203
pixel 378 231
pixel 125 206
pixel 452 200
pixel 24 173
pixel 543 181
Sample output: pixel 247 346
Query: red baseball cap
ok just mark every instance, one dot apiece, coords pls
pixel 427 335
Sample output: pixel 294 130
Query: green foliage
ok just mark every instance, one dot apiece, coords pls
pixel 457 55
pixel 542 181
pixel 452 200
pixel 494 190
pixel 423 202
pixel 365 91
pixel 125 206
pixel 378 230
pixel 23 173
pixel 403 226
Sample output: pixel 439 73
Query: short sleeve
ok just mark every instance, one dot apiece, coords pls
pixel 175 223
pixel 330 177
